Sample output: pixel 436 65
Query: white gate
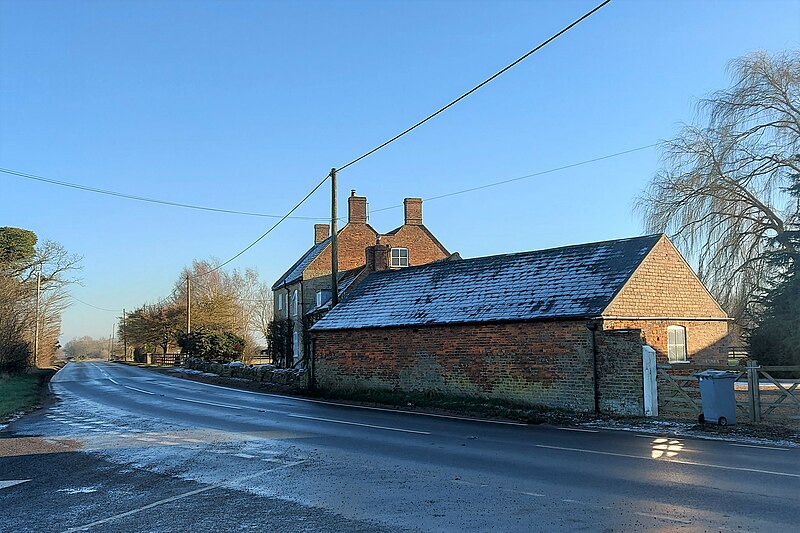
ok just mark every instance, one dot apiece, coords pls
pixel 650 383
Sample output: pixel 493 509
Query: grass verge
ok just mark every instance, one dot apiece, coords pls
pixel 22 393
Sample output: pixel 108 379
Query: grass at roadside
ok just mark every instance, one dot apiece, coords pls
pixel 22 392
pixel 459 405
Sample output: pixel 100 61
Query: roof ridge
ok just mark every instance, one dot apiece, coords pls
pixel 437 264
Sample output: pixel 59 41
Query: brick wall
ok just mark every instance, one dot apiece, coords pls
pixel 664 286
pixel 539 363
pixel 706 340
pixel 353 239
pixel 619 372
pixel 422 248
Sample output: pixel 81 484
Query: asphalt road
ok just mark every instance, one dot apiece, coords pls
pixel 125 449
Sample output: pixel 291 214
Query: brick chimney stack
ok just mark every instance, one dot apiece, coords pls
pixel 321 232
pixel 377 257
pixel 413 211
pixel 356 209
pixel 381 257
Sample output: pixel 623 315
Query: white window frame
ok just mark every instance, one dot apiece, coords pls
pixel 321 295
pixel 398 261
pixel 676 344
pixel 294 302
pixel 280 301
pixel 295 346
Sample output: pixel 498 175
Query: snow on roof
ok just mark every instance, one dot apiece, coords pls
pixel 567 282
pixel 346 279
pixel 295 272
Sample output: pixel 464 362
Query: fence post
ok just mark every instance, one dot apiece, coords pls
pixel 754 391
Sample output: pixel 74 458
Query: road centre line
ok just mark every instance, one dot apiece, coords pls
pixel 140 390
pixel 227 406
pixel 105 374
pixel 358 424
pixel 665 460
pixel 178 497
pixel 324 402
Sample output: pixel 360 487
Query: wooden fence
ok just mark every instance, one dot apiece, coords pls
pixel 758 394
pixel 166 359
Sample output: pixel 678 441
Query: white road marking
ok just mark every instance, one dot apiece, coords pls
pixel 167 443
pixel 669 460
pixel 228 406
pixel 324 402
pixel 146 439
pixel 532 494
pixel 178 497
pixel 761 447
pixel 581 430
pixel 358 424
pixel 192 440
pixel 140 390
pixel 244 455
pixel 4 484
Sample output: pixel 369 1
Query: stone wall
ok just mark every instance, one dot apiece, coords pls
pixel 296 378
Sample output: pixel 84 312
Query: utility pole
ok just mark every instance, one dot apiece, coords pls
pixel 124 337
pixel 188 304
pixel 36 328
pixel 334 244
pixel 111 342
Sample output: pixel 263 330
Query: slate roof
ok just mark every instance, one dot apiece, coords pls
pixel 346 279
pixel 569 282
pixel 295 272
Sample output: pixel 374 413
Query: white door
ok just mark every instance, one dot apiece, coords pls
pixel 650 383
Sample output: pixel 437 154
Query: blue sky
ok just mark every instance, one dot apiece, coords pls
pixel 246 105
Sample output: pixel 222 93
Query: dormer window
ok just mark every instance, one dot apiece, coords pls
pixel 399 257
pixel 323 296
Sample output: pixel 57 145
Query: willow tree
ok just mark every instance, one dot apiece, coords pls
pixel 722 191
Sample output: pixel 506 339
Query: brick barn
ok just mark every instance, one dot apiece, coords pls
pixel 562 327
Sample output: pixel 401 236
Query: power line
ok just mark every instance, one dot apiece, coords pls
pixel 94 306
pixel 278 223
pixel 485 82
pixel 528 176
pixel 143 198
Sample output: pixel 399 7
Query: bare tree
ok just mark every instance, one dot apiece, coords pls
pixel 721 194
pixel 262 310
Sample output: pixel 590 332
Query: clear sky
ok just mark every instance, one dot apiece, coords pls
pixel 246 105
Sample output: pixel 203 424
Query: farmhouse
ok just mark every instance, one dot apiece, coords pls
pixel 564 327
pixel 303 292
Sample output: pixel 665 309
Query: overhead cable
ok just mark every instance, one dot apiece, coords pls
pixel 528 176
pixel 278 223
pixel 143 198
pixel 94 306
pixel 484 82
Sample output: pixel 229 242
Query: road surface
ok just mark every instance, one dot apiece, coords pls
pixel 126 449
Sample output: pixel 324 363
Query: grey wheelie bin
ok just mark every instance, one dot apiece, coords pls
pixel 716 393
